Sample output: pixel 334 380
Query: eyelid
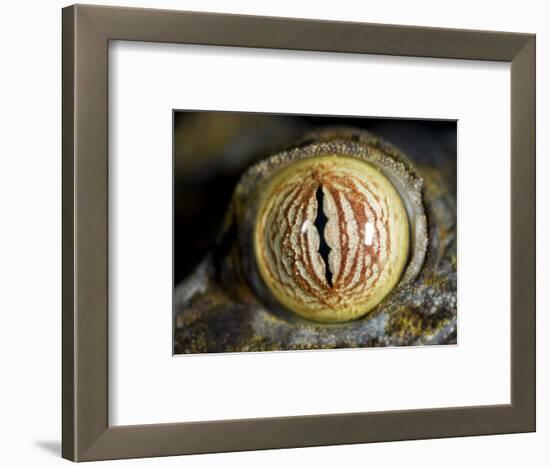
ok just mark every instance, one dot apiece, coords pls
pixel 357 146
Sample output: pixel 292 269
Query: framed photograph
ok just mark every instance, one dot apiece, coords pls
pixel 284 233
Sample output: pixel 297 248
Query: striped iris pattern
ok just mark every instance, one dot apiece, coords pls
pixel 331 237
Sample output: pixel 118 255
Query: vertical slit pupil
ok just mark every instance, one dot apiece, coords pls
pixel 320 223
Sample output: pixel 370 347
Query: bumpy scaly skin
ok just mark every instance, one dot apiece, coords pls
pixel 224 306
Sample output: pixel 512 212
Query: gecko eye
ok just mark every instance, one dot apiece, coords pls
pixel 337 224
pixel 293 239
pixel 331 237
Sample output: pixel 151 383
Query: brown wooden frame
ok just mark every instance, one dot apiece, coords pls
pixel 87 31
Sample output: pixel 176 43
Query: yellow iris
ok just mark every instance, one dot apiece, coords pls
pixel 331 237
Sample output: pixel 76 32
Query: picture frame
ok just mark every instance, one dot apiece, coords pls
pixel 86 433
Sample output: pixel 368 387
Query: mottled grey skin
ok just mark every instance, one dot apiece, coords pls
pixel 223 307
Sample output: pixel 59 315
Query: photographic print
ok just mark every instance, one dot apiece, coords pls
pixel 297 232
